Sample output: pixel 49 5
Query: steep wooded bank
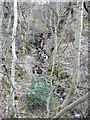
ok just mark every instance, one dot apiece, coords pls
pixel 44 57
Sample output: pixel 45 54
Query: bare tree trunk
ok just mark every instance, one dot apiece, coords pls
pixel 76 58
pixel 51 21
pixel 1 87
pixel 54 55
pixel 11 109
pixel 0 37
pixel 78 36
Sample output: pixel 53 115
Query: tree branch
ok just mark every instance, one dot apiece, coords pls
pixel 72 105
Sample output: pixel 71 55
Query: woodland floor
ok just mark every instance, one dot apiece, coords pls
pixel 23 112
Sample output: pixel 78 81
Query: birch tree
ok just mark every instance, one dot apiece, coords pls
pixel 11 107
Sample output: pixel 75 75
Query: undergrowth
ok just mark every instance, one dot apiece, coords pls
pixel 40 89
